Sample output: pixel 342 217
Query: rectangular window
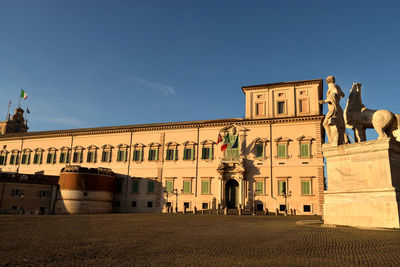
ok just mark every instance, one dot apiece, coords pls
pixel 14 158
pixel 37 158
pixel 259 109
pixel 64 157
pixel 135 186
pixel 51 157
pixel 303 106
pixel 169 186
pixel 187 187
pixel 153 154
pixel 282 187
pixel 26 159
pixel 150 186
pixel 282 151
pixel 149 204
pixel 188 154
pixel 77 156
pixel 122 155
pixel 304 150
pixel 134 204
pixel 44 194
pixel 138 155
pixel 306 187
pixel 260 150
pixel 172 154
pixel 16 192
pixel 282 207
pixel 205 187
pixel 3 160
pixel 118 186
pixel 260 187
pixel 306 208
pixel 281 107
pixel 186 205
pixel 106 156
pixel 117 203
pixel 206 153
pixel 91 156
pixel 204 206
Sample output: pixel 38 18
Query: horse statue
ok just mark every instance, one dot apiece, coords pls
pixel 359 118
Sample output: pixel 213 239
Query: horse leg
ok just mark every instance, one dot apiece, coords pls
pixel 361 134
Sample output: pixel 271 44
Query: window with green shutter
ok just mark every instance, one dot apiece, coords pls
pixel 171 154
pixel 205 187
pixel 207 152
pixel 150 186
pixel 281 187
pixel 260 150
pixel 169 186
pixel 37 157
pixel 304 150
pixel 138 154
pixel 306 187
pixel 282 150
pixel 188 154
pixel 2 160
pixel 260 187
pixel 187 187
pixel 135 186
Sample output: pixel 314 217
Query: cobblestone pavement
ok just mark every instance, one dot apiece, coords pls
pixel 189 240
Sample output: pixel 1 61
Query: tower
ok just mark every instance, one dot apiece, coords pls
pixel 17 123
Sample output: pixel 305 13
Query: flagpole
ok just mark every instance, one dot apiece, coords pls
pixel 8 112
pixel 19 99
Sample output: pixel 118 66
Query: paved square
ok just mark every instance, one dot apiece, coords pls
pixel 185 239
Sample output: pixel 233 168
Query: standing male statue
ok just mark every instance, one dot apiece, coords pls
pixel 334 122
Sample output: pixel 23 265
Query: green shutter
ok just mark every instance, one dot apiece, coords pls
pixel 150 187
pixel 176 154
pixel 205 187
pixel 306 187
pixel 280 187
pixel 187 187
pixel 135 186
pixel 260 150
pixel 282 151
pixel 260 187
pixel 141 154
pixel 169 186
pixel 156 154
pixel 203 153
pixel 192 154
pixel 119 155
pixel 210 153
pixel 304 150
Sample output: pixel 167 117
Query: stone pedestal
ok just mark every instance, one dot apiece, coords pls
pixel 363 184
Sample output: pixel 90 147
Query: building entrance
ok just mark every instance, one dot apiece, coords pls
pixel 232 194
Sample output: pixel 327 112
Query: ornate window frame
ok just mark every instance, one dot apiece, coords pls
pixel 91 155
pixel 154 151
pixel 122 154
pixel 38 155
pixel 14 156
pixel 106 153
pixel 26 156
pixel 189 145
pixel 3 155
pixel 257 142
pixel 171 156
pixel 282 141
pixel 305 140
pixel 207 144
pixel 138 152
pixel 77 155
pixel 65 153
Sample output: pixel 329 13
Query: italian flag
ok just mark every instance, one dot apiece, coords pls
pixel 24 95
pixel 226 142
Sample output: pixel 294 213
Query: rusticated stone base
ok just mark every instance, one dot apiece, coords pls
pixel 363 184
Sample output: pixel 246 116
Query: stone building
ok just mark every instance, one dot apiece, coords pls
pixel 272 159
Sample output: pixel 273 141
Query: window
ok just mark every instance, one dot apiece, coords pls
pixel 85 194
pixel 282 187
pixel 259 109
pixel 106 154
pixel 122 154
pixel 172 151
pixel 304 150
pixel 306 208
pixel 232 152
pixel 260 150
pixel 282 150
pixel 37 156
pixel 282 207
pixel 14 157
pixel 134 204
pixel 303 106
pixel 281 107
pixel 64 154
pixel 26 156
pixel 51 156
pixel 118 186
pixel 16 192
pixel 92 154
pixel 188 154
pixel 306 187
pixel 135 186
pixel 44 194
pixel 187 187
pixel 78 155
pixel 150 186
pixel 153 151
pixel 169 186
pixel 117 203
pixel 3 157
pixel 186 205
pixel 207 151
pixel 260 187
pixel 149 204
pixel 205 186
pixel 204 206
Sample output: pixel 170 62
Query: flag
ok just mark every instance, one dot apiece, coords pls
pixel 219 139
pixel 28 111
pixel 226 142
pixel 236 144
pixel 23 94
pixel 9 104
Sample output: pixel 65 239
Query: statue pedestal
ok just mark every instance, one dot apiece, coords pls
pixel 363 184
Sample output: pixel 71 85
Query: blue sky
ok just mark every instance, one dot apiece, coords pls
pixel 105 63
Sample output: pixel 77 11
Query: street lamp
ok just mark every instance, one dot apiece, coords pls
pixel 176 193
pixel 166 193
pixel 286 196
pixel 256 192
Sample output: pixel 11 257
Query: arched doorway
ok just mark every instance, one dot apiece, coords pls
pixel 232 194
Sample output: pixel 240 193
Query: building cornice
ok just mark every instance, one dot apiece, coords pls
pixel 281 84
pixel 156 127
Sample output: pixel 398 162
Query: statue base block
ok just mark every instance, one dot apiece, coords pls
pixel 363 184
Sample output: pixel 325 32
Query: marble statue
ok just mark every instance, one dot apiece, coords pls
pixel 359 118
pixel 334 121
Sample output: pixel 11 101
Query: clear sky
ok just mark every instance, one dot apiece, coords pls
pixel 106 63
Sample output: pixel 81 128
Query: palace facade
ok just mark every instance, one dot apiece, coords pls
pixel 273 158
